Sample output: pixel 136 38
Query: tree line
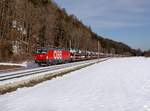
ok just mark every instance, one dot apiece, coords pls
pixel 146 53
pixel 28 24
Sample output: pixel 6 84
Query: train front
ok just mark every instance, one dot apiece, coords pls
pixel 41 56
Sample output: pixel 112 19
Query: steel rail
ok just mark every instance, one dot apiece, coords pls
pixel 36 71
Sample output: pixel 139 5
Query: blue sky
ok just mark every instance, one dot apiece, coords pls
pixel 127 21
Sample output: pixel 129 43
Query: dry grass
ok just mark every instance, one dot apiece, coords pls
pixel 6 67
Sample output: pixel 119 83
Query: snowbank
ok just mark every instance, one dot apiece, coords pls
pixel 12 64
pixel 26 64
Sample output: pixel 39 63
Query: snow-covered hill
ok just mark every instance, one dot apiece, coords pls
pixel 121 84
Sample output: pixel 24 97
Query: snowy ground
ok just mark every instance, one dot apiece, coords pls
pixel 23 65
pixel 115 85
pixel 27 64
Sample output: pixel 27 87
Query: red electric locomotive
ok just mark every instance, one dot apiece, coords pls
pixel 52 56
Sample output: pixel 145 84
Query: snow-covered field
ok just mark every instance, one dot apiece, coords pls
pixel 119 84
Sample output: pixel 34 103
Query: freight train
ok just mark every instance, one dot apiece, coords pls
pixel 52 56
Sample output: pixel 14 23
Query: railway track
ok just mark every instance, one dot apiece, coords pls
pixel 37 71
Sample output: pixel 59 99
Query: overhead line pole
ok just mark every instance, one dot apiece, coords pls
pixel 98 44
pixel 70 44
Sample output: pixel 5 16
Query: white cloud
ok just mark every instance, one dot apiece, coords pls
pixel 113 24
pixel 109 13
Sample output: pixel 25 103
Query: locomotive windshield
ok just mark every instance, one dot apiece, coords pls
pixel 41 51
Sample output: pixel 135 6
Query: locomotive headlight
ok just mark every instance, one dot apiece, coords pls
pixel 46 57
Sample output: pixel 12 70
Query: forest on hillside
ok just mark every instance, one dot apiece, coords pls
pixel 28 24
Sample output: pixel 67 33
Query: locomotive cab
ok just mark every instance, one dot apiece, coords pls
pixel 41 56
